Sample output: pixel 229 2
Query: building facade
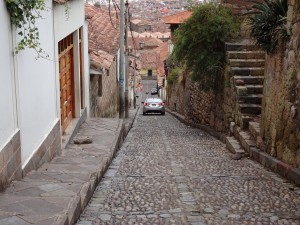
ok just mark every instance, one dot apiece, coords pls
pixel 41 97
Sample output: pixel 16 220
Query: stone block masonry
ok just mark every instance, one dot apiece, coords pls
pixel 280 126
pixel 10 161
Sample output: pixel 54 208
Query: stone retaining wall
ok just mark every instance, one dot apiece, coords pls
pixel 280 125
pixel 206 108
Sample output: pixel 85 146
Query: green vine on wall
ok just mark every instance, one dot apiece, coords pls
pixel 23 15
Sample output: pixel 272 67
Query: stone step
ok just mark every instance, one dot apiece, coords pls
pixel 234 146
pixel 254 128
pixel 246 55
pixel 254 89
pixel 247 63
pixel 248 108
pixel 248 71
pixel 244 121
pixel 250 79
pixel 246 140
pixel 244 90
pixel 253 99
pixel 241 47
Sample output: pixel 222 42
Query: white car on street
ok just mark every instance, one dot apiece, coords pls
pixel 154 105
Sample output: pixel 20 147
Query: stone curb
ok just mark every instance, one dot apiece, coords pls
pixel 209 130
pixel 283 169
pixel 129 124
pixel 287 171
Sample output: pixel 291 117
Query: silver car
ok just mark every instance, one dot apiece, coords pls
pixel 154 91
pixel 154 105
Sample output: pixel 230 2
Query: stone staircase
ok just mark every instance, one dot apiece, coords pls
pixel 247 76
pixel 247 68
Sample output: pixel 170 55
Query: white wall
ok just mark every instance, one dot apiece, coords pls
pixel 37 89
pixel 86 68
pixel 68 18
pixel 29 88
pixel 8 121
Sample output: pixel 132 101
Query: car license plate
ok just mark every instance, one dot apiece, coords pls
pixel 153 104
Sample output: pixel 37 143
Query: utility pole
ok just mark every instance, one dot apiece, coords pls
pixel 134 82
pixel 126 61
pixel 121 64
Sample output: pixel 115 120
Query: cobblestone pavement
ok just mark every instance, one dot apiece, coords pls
pixel 168 173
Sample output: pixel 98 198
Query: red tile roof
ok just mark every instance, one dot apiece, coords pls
pixel 101 59
pixel 149 59
pixel 177 18
pixel 149 42
pixel 103 35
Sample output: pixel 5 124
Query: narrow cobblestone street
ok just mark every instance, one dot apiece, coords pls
pixel 168 173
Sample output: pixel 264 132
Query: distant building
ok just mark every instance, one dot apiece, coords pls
pixel 176 19
pixel 140 26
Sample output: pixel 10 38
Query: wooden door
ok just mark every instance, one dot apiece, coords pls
pixel 66 79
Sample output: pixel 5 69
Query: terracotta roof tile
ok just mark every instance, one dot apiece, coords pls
pixel 156 34
pixel 102 33
pixel 149 42
pixel 101 59
pixel 103 36
pixel 177 18
pixel 149 59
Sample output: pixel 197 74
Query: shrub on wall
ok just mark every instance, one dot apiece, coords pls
pixel 200 42
pixel 173 75
pixel 268 23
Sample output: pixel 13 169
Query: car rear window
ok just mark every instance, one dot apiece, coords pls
pixel 154 100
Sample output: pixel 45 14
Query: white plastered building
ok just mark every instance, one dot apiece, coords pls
pixel 43 101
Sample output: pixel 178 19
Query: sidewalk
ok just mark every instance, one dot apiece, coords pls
pixel 58 191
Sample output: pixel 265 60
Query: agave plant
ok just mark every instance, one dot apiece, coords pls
pixel 268 23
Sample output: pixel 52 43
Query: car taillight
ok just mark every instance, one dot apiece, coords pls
pixel 146 103
pixel 161 104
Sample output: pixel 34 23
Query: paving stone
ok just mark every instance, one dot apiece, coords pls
pixel 14 220
pixel 168 173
